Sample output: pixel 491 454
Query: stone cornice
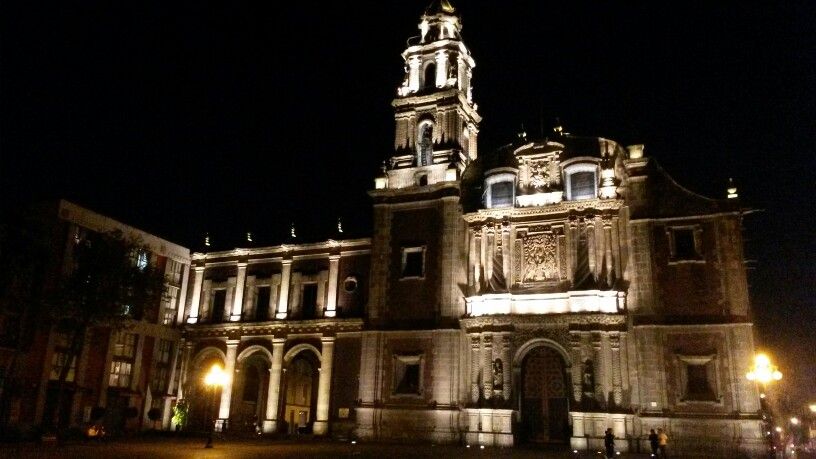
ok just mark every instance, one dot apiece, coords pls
pixel 525 321
pixel 514 213
pixel 277 328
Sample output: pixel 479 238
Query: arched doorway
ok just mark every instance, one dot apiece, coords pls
pixel 544 396
pixel 202 400
pixel 299 392
pixel 248 407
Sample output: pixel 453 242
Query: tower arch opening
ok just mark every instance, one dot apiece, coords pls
pixel 429 77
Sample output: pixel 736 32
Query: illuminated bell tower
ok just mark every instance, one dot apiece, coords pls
pixel 418 247
pixel 436 119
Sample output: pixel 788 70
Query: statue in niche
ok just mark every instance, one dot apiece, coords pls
pixel 498 376
pixel 588 379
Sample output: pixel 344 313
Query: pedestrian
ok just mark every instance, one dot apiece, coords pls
pixel 609 443
pixel 653 442
pixel 662 441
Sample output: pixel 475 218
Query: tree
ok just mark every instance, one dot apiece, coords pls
pixel 26 257
pixel 108 284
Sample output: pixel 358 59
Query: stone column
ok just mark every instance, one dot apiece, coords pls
pixel 478 261
pixel 238 298
pixel 331 301
pixel 507 254
pixel 186 352
pixel 600 369
pixel 413 75
pixel 507 367
pixel 321 424
pixel 577 363
pixel 226 390
pixel 472 276
pixel 198 279
pixel 617 391
pixel 270 424
pixel 182 299
pixel 441 68
pixel 283 298
pixel 475 366
pixel 487 366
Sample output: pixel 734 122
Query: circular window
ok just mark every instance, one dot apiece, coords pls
pixel 350 284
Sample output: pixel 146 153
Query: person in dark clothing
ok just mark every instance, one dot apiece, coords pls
pixel 609 443
pixel 653 442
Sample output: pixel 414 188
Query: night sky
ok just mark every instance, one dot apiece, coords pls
pixel 229 117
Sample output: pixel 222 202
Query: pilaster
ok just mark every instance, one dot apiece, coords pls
pixel 321 424
pixel 270 424
pixel 283 298
pixel 331 300
pixel 238 297
pixel 195 304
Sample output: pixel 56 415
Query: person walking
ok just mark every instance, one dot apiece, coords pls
pixel 609 443
pixel 662 441
pixel 653 442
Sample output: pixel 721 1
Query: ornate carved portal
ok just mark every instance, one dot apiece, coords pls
pixel 545 408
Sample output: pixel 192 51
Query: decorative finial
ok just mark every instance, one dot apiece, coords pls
pixel 383 168
pixel 732 189
pixel 522 135
pixel 339 225
pixel 249 236
pixel 292 231
pixel 206 239
pixel 558 129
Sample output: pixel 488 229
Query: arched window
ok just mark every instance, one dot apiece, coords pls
pixel 430 76
pixel 425 143
pixel 500 190
pixel 581 181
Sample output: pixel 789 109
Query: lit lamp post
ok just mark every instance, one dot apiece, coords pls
pixel 214 379
pixel 763 372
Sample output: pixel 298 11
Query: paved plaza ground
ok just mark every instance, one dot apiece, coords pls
pixel 258 448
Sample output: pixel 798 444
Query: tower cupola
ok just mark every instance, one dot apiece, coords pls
pixel 436 119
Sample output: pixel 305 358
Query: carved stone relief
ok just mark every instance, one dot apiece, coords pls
pixel 540 258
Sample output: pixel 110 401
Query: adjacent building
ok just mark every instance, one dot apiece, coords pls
pixel 543 292
pixel 130 368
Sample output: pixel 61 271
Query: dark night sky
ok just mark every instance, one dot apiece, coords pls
pixel 227 117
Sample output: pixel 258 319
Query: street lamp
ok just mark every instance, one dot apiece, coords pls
pixel 812 408
pixel 763 371
pixel 214 379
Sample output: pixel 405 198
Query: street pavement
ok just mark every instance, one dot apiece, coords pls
pixel 193 448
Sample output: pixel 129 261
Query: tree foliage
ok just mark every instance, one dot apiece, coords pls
pixel 106 285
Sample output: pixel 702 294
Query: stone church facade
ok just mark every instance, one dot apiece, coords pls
pixel 543 292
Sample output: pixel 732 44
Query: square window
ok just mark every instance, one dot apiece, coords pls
pixel 684 243
pixel 407 374
pixel 698 378
pixel 582 185
pixel 413 262
pixel 501 194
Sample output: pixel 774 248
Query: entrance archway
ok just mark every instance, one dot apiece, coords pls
pixel 544 396
pixel 203 403
pixel 299 385
pixel 248 406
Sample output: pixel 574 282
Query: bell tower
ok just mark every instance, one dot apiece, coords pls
pixel 436 120
pixel 418 247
